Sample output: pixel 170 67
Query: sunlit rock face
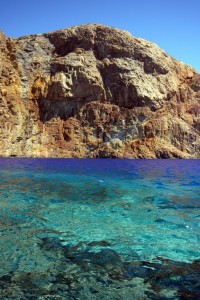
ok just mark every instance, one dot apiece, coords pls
pixel 96 91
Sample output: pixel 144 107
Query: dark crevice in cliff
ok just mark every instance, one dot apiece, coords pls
pixel 49 109
pixel 64 44
pixel 123 95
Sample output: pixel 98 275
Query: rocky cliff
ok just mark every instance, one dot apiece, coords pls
pixel 96 91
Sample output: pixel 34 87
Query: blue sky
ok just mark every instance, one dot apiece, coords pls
pixel 172 24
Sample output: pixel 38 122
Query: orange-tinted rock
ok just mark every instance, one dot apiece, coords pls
pixel 96 91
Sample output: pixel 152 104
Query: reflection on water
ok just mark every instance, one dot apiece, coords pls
pixel 111 223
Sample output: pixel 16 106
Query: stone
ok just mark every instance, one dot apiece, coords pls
pixel 74 273
pixel 96 91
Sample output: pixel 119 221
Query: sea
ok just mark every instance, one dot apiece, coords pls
pixel 99 229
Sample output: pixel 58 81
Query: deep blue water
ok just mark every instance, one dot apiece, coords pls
pixel 87 219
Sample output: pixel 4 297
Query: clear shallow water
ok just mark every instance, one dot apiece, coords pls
pixel 64 215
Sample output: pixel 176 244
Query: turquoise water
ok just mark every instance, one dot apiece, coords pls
pixel 69 226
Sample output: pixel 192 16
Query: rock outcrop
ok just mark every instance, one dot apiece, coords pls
pixel 96 91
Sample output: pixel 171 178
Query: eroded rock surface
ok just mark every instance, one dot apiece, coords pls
pixel 96 91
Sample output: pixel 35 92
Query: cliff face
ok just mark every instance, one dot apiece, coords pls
pixel 95 91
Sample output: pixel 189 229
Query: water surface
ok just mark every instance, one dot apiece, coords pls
pixel 70 227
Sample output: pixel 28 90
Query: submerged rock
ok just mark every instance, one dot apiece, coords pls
pixel 96 91
pixel 78 274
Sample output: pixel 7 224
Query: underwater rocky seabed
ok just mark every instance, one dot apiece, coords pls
pixel 99 229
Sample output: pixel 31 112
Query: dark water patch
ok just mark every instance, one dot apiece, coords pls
pixel 160 220
pixel 191 183
pixel 174 201
pixel 183 277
